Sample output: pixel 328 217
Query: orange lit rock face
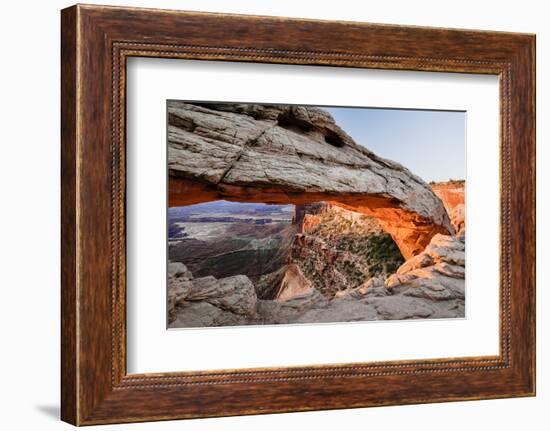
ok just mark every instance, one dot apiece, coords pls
pixel 452 196
pixel 451 193
pixel 307 217
pixel 411 231
pixel 309 222
pixel 298 155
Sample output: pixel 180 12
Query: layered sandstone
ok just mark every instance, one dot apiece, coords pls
pixel 451 194
pixel 291 154
pixel 437 274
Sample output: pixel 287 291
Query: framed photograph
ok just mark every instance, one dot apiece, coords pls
pixel 264 214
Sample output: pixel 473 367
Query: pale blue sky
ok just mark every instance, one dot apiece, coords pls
pixel 431 144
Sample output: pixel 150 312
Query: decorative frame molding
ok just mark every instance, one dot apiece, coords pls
pixel 96 41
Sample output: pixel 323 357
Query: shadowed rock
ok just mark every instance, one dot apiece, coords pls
pixel 294 154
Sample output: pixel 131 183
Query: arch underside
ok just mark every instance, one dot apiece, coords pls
pixel 411 231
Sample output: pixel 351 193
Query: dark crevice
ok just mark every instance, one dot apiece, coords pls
pixel 181 123
pixel 288 121
pixel 333 138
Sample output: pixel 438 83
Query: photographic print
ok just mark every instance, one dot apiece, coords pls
pixel 293 214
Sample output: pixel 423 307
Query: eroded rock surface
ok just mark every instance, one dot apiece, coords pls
pixel 429 285
pixel 294 284
pixel 293 154
pixel 436 275
pixel 451 194
pixel 207 301
pixel 339 249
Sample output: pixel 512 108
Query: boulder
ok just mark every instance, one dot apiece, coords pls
pixel 207 301
pixel 294 284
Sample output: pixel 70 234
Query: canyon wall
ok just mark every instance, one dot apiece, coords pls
pixel 452 194
pixel 338 249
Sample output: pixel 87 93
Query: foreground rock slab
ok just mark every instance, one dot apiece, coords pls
pixel 429 285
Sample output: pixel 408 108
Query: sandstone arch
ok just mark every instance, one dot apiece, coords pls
pixel 294 154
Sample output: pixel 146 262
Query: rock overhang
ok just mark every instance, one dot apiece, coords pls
pixel 281 154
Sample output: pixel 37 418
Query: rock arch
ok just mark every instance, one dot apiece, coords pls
pixel 294 154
